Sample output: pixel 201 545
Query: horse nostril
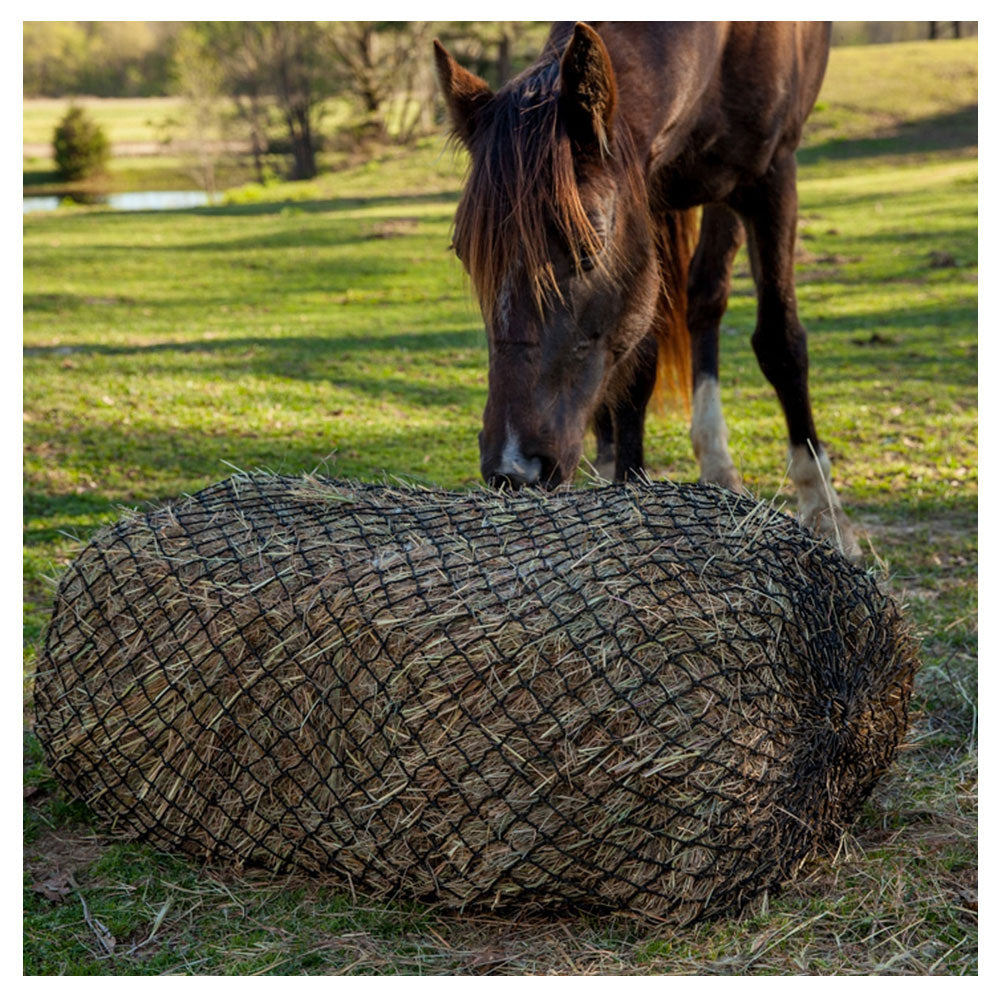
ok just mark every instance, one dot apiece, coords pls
pixel 510 479
pixel 500 482
pixel 539 471
pixel 550 475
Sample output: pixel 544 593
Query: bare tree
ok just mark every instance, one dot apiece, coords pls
pixel 280 65
pixel 386 65
pixel 198 79
pixel 299 81
pixel 241 51
pixel 496 50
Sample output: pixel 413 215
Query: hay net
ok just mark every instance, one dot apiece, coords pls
pixel 654 698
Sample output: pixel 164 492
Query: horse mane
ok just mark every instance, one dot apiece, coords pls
pixel 523 182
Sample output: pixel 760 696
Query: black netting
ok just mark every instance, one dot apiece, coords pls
pixel 656 698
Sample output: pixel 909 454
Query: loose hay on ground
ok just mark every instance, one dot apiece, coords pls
pixel 654 698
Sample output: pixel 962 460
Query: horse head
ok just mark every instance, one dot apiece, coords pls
pixel 554 232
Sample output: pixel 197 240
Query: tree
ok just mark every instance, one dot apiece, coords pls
pixel 383 64
pixel 198 79
pixel 495 50
pixel 80 146
pixel 274 64
pixel 242 53
pixel 102 58
pixel 300 85
pixel 53 54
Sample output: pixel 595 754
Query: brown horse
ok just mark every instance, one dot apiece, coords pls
pixel 578 223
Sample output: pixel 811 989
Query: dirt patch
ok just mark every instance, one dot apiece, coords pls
pixel 875 339
pixel 389 228
pixel 55 858
pixel 939 534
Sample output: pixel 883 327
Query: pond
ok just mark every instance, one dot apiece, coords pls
pixel 125 201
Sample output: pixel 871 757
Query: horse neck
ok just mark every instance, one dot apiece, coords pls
pixel 662 70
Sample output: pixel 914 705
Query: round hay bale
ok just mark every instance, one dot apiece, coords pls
pixel 657 698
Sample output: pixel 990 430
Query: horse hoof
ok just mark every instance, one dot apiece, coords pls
pixel 725 476
pixel 834 526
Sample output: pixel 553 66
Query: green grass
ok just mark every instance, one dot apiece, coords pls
pixel 904 96
pixel 124 119
pixel 326 325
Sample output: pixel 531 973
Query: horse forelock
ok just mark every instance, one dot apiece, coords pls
pixel 522 182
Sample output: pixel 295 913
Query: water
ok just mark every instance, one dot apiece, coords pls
pixel 126 201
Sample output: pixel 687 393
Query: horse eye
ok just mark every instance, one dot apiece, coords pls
pixel 587 263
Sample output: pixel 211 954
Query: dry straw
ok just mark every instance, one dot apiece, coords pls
pixel 652 698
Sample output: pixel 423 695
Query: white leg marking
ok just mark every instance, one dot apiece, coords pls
pixel 819 507
pixel 513 463
pixel 709 437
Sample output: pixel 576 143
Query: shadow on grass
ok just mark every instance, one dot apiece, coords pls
pixel 280 346
pixel 935 134
pixel 271 284
pixel 316 235
pixel 176 462
pixel 312 206
pixel 912 345
pixel 246 269
pixel 34 178
pixel 332 360
pixel 71 516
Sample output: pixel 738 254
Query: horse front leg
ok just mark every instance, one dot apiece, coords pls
pixel 604 432
pixel 769 211
pixel 618 423
pixel 708 291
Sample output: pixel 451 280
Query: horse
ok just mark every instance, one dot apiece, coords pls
pixel 611 184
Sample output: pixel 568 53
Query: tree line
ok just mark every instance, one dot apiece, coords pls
pixel 98 58
pixel 272 81
pixel 881 32
pixel 138 58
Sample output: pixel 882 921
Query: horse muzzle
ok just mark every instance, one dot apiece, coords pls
pixel 514 465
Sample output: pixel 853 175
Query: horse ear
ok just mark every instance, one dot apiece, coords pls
pixel 465 92
pixel 587 88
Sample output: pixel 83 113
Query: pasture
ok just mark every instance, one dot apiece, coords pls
pixel 325 325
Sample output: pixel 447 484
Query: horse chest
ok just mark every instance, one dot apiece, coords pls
pixel 707 162
pixel 690 180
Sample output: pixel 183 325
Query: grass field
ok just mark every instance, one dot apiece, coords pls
pixel 325 325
